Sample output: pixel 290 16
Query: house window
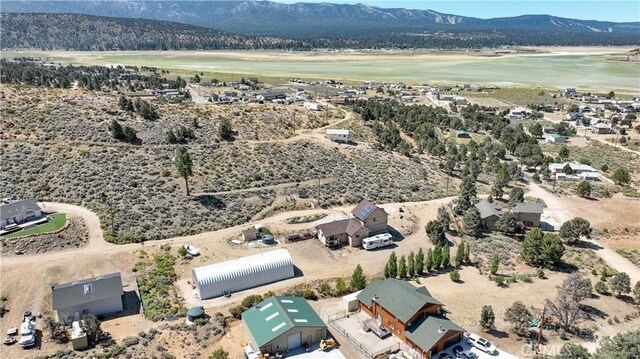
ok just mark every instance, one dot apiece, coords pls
pixel 88 288
pixel 390 325
pixel 375 219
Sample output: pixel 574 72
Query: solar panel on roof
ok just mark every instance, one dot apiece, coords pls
pixel 365 212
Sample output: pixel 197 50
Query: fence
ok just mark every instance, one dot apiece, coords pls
pixel 332 320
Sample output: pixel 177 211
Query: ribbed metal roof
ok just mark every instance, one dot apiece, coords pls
pixel 242 273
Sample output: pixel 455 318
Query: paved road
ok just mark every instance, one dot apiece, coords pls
pixel 558 212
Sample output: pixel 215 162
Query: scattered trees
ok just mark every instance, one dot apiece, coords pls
pixel 435 231
pixel 573 351
pixel 563 152
pixel 516 195
pixel 57 330
pixel 358 280
pixel 184 165
pixel 444 217
pixel 411 265
pixel 573 229
pixel 341 286
pixel 402 267
pixel 467 193
pixel 459 259
pixel 219 354
pixel 225 130
pixel 584 189
pixel 623 345
pixel 519 317
pixel 391 268
pixel 508 224
pixel 487 318
pixel 419 263
pixel 91 326
pixel 494 264
pixel 621 176
pixel 542 249
pixel 566 308
pixel 536 129
pixel 621 283
pixel 472 223
pixel 446 255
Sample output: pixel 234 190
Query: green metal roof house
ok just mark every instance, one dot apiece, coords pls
pixel 279 324
pixel 412 314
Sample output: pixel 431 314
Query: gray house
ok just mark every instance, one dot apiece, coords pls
pixel 19 211
pixel 98 295
pixel 368 219
pixel 528 214
pixel 489 215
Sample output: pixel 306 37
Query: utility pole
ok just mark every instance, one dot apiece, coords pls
pixel 543 321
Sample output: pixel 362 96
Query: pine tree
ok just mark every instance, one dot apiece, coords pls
pixel 487 318
pixel 467 252
pixel 436 259
pixel 446 255
pixel 358 280
pixel 467 193
pixel 419 263
pixel 184 165
pixel 428 260
pixel 116 130
pixel 411 265
pixel 460 254
pixel 494 264
pixel 386 269
pixel 393 265
pixel 402 267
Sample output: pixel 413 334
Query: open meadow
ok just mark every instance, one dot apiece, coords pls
pixel 557 68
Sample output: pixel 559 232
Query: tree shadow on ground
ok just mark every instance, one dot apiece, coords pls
pixel 593 312
pixel 498 333
pixel 211 202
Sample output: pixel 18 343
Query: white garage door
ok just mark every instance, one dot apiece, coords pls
pixel 294 341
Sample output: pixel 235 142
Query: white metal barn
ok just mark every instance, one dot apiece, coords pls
pixel 243 273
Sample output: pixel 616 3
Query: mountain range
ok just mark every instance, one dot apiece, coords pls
pixel 299 20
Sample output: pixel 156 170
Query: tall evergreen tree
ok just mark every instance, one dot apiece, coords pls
pixel 459 254
pixel 411 265
pixel 184 165
pixel 358 280
pixel 428 260
pixel 494 264
pixel 419 263
pixel 402 267
pixel 446 255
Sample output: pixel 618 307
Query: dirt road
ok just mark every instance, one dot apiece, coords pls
pixel 558 212
pixel 92 221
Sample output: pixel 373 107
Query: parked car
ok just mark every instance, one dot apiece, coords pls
pixel 444 356
pixel 482 344
pixel 191 249
pixel 461 353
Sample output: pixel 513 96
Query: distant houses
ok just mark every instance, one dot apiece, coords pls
pixel 555 138
pixel 337 135
pixel 518 113
pixel 579 172
pixel 528 214
pixel 13 213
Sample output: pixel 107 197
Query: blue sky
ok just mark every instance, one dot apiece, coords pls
pixel 603 10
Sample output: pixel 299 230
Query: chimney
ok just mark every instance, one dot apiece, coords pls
pixel 441 330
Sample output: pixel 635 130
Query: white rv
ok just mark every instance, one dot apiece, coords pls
pixel 377 241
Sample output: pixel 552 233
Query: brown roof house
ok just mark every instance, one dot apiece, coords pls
pixel 367 219
pixel 411 314
pixel 528 214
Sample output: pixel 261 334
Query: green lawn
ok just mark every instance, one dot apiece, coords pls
pixel 56 222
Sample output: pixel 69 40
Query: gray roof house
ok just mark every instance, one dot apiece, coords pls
pixel 528 214
pixel 19 211
pixel 489 215
pixel 97 295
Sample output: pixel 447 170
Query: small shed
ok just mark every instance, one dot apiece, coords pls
pixel 350 302
pixel 250 234
pixel 462 134
pixel 79 340
pixel 555 138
